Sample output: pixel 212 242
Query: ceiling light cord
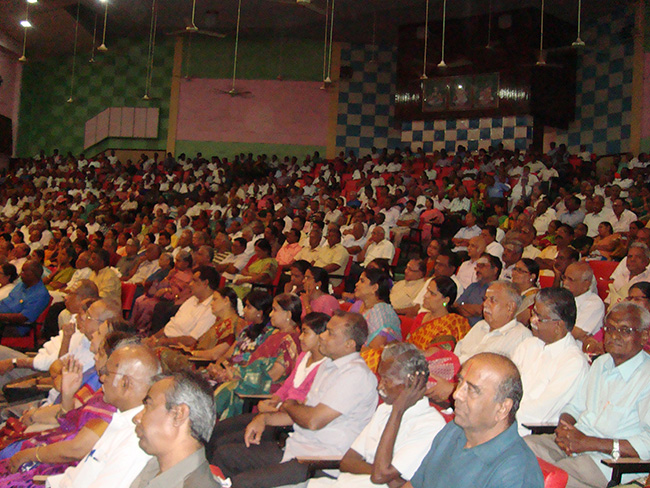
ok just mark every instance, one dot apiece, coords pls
pixel 329 63
pixel 426 41
pixel 103 45
pixel 74 54
pixel 234 66
pixel 92 52
pixel 444 28
pixel 152 49
pixel 325 43
pixel 23 58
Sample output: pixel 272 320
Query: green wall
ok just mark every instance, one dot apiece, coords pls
pixel 116 79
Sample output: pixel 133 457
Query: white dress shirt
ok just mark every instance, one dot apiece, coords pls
pixel 481 338
pixel 79 348
pixel 551 374
pixel 193 319
pixel 466 274
pixel 622 224
pixel 115 460
pixel 384 250
pixel 591 312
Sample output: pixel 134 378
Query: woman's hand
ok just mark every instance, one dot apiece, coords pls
pixel 20 458
pixel 71 376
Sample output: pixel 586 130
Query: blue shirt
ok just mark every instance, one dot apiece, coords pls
pixel 505 461
pixel 474 295
pixel 28 301
pixel 614 403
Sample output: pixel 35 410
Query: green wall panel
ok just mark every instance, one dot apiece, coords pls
pixel 116 79
pixel 230 149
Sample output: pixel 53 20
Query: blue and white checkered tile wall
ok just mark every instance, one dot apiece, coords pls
pixel 366 110
pixel 604 88
pixel 513 132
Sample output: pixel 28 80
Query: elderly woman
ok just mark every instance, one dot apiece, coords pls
pixel 606 242
pixel 524 277
pixel 175 289
pixel 261 269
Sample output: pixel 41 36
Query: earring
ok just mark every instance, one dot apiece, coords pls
pixel 317 287
pixel 444 304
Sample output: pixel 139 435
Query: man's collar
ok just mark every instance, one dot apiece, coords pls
pixel 627 368
pixel 491 450
pixel 342 361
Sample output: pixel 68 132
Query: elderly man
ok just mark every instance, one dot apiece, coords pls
pixel 512 253
pixel 481 446
pixel 176 422
pixel 116 458
pixel 391 447
pixel 462 238
pixel 332 257
pixel 470 302
pixel 466 274
pixel 622 217
pixel 551 364
pixel 591 309
pixel 636 269
pixel 310 252
pixel 489 235
pixel 377 247
pixel 407 220
pixel 499 332
pixel 340 403
pixel 130 260
pixel 607 418
pixel 599 213
pixel 194 317
pixel 27 300
pixel 527 235
pixel 404 292
pixel 147 265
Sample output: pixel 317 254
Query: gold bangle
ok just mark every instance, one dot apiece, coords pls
pixel 38 458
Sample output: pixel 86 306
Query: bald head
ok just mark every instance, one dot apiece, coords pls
pixel 509 385
pixel 476 247
pixel 578 277
pixel 129 373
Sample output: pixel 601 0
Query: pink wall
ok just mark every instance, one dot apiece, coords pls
pixel 277 112
pixel 9 68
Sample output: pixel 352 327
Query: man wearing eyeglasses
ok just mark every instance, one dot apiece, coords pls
pixel 551 364
pixel 609 415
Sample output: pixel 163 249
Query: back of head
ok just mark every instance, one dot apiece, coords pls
pixel 561 305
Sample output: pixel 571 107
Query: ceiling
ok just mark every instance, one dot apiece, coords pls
pixel 355 20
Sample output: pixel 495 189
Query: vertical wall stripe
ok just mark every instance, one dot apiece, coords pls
pixel 175 95
pixel 638 65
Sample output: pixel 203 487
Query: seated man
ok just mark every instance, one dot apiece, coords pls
pixel 463 236
pixel 146 266
pixel 173 427
pixel 106 279
pixel 404 292
pixel 551 364
pixel 607 418
pixel 481 446
pixel 636 269
pixel 466 274
pixel 27 300
pixel 499 332
pixel 407 220
pixel 340 403
pixel 392 445
pixel 470 303
pixel 117 459
pixel 195 316
pixel 332 257
pixel 590 308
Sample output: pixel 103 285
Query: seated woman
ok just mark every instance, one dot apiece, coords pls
pixel 297 272
pixel 268 365
pixel 79 428
pixel 295 387
pixel 60 276
pixel 175 289
pixel 315 298
pixel 606 242
pixel 261 269
pixel 524 277
pixel 217 342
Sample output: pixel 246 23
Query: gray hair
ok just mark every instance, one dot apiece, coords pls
pixel 515 245
pixel 639 315
pixel 194 391
pixel 641 246
pixel 512 292
pixel 408 360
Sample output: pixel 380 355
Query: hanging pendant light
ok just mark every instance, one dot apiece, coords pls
pixel 152 48
pixel 26 25
pixel 92 52
pixel 327 82
pixel 426 42
pixel 442 63
pixel 74 54
pixel 103 47
pixel 579 42
pixel 541 60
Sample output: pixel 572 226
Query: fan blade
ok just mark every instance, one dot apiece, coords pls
pixel 313 8
pixel 211 33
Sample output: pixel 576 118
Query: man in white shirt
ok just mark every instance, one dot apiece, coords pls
pixel 599 213
pixel 466 274
pixel 394 442
pixel 545 214
pixel 194 317
pixel 116 458
pixel 591 309
pixel 404 292
pixel 622 217
pixel 636 269
pixel 499 332
pixel 148 265
pixel 464 234
pixel 377 247
pixel 489 235
pixel 551 364
pixel 340 403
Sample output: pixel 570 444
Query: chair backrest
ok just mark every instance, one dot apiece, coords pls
pixel 546 281
pixel 128 296
pixel 406 324
pixel 602 272
pixel 398 251
pixel 554 477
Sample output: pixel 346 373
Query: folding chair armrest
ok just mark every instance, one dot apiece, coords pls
pixel 625 465
pixel 541 428
pixel 316 463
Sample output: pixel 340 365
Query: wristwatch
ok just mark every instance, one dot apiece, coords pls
pixel 616 449
pixel 14 362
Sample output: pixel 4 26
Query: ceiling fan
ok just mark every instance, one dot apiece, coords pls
pixel 302 3
pixel 193 29
pixel 234 92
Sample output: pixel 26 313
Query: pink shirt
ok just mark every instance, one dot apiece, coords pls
pixel 289 391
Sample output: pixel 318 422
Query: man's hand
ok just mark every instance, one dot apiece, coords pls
pixel 27 417
pixel 267 406
pixel 72 376
pixel 570 439
pixel 5 366
pixel 68 329
pixel 254 431
pixel 416 386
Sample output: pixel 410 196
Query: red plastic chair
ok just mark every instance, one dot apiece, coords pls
pixel 340 288
pixel 29 341
pixel 546 281
pixel 554 477
pixel 603 271
pixel 406 324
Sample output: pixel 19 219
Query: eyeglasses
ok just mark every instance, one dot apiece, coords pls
pixel 535 316
pixel 89 317
pixel 520 270
pixel 623 331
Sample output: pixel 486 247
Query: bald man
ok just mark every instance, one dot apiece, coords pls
pixel 481 446
pixel 467 271
pixel 117 459
pixel 591 309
